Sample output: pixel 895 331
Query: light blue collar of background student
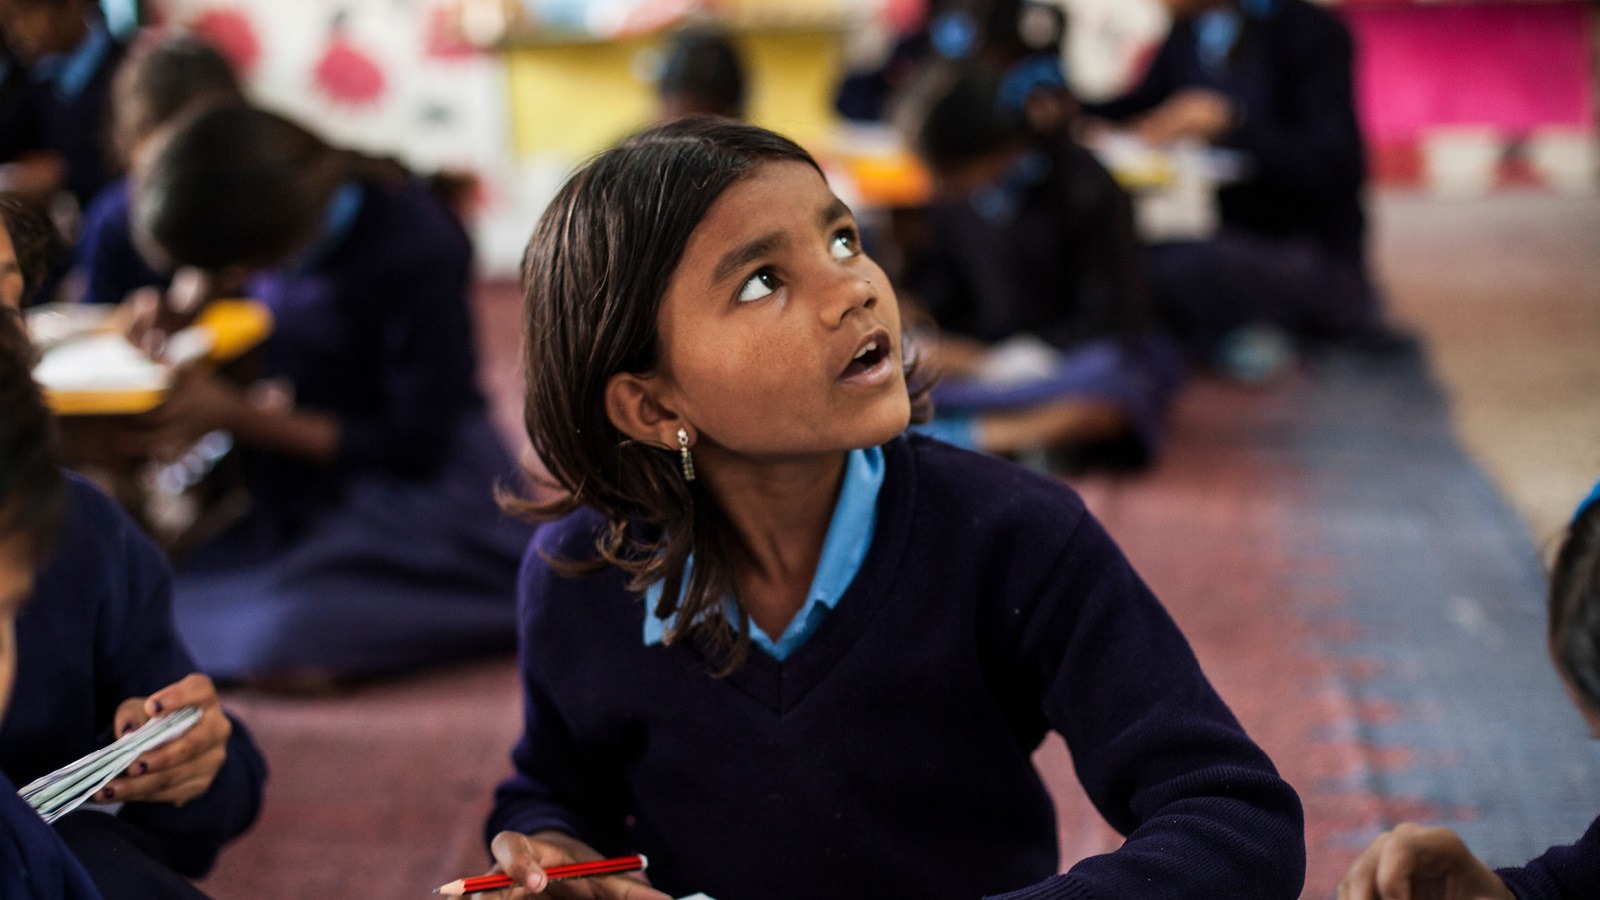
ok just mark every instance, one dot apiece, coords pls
pixel 69 73
pixel 336 224
pixel 1217 30
pixel 855 518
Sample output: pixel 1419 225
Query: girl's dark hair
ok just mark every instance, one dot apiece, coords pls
pixel 33 492
pixel 33 239
pixel 239 186
pixel 594 274
pixel 1575 606
pixel 162 76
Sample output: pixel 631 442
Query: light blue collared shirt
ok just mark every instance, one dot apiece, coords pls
pixel 69 73
pixel 855 519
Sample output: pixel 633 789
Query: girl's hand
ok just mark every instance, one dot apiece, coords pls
pixel 1417 863
pixel 525 857
pixel 198 402
pixel 1197 113
pixel 184 769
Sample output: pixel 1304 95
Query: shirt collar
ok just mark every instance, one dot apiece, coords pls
pixel 70 72
pixel 850 531
pixel 336 224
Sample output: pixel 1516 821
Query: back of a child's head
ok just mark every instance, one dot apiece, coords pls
pixel 32 490
pixel 702 75
pixel 1575 605
pixel 163 76
pixel 594 274
pixel 33 243
pixel 236 186
pixel 962 121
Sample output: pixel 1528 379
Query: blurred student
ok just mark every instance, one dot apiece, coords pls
pixel 374 544
pixel 718 386
pixel 1031 268
pixel 1270 79
pixel 27 243
pixel 701 76
pixel 34 863
pixel 69 57
pixel 162 77
pixel 98 655
pixel 1416 863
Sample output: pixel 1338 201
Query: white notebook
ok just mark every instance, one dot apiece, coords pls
pixel 64 790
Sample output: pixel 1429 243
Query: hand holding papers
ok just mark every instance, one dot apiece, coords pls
pixel 60 792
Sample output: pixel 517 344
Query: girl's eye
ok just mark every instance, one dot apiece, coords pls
pixel 760 285
pixel 844 244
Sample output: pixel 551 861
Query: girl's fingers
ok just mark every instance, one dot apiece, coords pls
pixel 175 784
pixel 130 714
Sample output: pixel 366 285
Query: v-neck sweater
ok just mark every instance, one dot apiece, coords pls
pixel 890 754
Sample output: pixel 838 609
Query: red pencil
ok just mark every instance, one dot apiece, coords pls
pixel 555 873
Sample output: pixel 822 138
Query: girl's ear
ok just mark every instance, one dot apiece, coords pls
pixel 635 407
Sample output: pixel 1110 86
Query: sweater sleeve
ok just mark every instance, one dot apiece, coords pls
pixel 138 652
pixel 1561 873
pixel 1154 87
pixel 554 785
pixel 1157 751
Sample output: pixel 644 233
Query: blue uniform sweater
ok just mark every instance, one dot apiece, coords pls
pixel 1570 872
pixel 889 755
pixel 98 631
pixel 34 863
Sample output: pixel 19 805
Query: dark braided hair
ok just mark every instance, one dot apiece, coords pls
pixel 32 239
pixel 1575 606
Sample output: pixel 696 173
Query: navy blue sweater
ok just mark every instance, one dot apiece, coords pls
pixel 34 863
pixel 98 631
pixel 889 755
pixel 1571 872
pixel 1290 75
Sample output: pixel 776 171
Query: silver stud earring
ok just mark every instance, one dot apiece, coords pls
pixel 683 455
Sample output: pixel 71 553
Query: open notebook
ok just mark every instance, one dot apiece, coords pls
pixel 64 790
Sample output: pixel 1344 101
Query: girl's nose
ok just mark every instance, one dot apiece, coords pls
pixel 852 290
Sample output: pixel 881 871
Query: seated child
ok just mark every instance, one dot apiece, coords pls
pixel 702 75
pixel 34 863
pixel 1416 862
pixel 374 544
pixel 26 244
pixel 97 656
pixel 69 56
pixel 1032 244
pixel 785 650
pixel 163 76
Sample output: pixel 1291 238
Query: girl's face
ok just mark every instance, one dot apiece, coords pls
pixel 10 272
pixel 34 29
pixel 780 338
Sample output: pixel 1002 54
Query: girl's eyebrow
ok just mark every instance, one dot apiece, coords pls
pixel 746 253
pixel 750 251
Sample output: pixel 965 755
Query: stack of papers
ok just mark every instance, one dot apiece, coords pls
pixel 64 790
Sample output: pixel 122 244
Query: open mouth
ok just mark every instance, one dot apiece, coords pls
pixel 871 354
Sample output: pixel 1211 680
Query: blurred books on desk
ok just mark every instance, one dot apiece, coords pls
pixel 88 368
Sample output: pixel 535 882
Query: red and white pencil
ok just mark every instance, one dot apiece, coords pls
pixel 555 873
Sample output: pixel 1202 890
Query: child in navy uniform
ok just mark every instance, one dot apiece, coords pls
pixel 786 651
pixel 1032 241
pixel 374 544
pixel 1416 862
pixel 1272 80
pixel 98 655
pixel 34 863
pixel 163 77
pixel 70 57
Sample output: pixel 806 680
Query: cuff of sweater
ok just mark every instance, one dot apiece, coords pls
pixel 1529 883
pixel 1060 887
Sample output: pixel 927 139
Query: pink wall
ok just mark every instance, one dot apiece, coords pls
pixel 1518 66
